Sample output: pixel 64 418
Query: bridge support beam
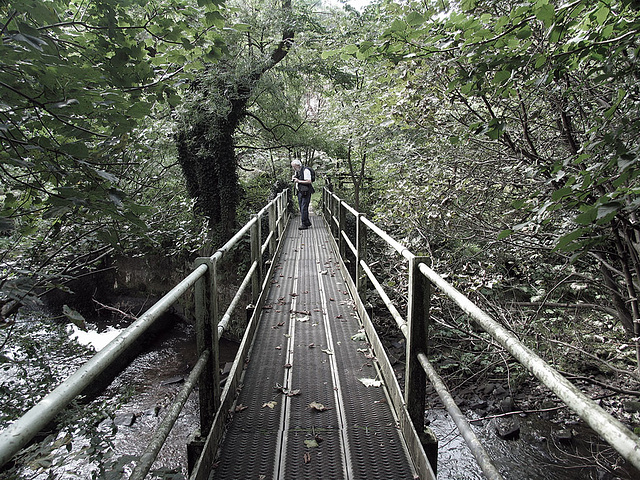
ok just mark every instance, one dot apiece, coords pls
pixel 417 342
pixel 206 310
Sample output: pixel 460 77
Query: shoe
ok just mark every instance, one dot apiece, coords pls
pixel 303 228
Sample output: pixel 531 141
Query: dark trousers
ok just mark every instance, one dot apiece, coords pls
pixel 303 203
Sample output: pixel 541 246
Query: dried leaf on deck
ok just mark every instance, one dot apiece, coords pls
pixel 371 382
pixel 318 407
pixel 359 337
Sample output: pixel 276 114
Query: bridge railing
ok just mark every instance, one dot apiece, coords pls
pixel 351 231
pixel 210 325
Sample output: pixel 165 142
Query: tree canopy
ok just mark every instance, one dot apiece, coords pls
pixel 514 123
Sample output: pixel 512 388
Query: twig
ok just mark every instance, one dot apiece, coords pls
pixel 608 365
pixel 527 412
pixel 114 309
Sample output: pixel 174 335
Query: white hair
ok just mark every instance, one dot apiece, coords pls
pixel 296 162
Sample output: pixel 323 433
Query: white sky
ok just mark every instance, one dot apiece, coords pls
pixel 357 4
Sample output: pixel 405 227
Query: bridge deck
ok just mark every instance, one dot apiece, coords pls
pixel 307 350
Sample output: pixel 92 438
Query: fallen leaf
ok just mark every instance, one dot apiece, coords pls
pixel 359 337
pixel 287 365
pixel 279 347
pixel 311 443
pixel 240 408
pixel 318 407
pixel 319 439
pixel 327 351
pixel 270 404
pixel 287 391
pixel 371 382
pixel 307 457
pixel 311 345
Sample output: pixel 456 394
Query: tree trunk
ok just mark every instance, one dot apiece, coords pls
pixel 206 149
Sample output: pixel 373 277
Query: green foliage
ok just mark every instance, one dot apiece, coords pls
pixel 36 354
pixel 218 103
pixel 76 81
pixel 540 105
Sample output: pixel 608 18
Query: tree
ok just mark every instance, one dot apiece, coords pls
pixel 554 86
pixel 75 82
pixel 219 98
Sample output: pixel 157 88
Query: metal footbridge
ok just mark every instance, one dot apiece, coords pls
pixel 312 402
pixel 311 393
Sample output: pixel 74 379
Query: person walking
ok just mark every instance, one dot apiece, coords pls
pixel 304 185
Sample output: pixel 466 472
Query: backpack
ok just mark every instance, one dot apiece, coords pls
pixel 311 170
pixel 313 173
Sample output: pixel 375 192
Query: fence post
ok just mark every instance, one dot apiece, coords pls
pixel 273 222
pixel 256 278
pixel 207 339
pixel 342 222
pixel 282 207
pixel 417 342
pixel 361 255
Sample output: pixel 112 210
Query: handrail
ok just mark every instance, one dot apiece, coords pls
pixel 607 426
pixel 19 433
pixel 611 430
pixel 162 432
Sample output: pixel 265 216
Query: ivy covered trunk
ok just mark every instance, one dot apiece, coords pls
pixel 205 139
pixel 207 156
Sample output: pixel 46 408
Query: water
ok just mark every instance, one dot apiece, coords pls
pixel 535 455
pixel 148 384
pixel 154 379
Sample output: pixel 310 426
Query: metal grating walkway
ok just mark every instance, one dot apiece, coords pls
pixel 304 353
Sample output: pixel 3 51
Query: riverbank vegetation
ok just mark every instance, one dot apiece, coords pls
pixel 497 138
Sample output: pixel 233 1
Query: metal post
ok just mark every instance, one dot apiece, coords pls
pixel 417 343
pixel 256 280
pixel 273 222
pixel 342 221
pixel 361 255
pixel 281 209
pixel 207 339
